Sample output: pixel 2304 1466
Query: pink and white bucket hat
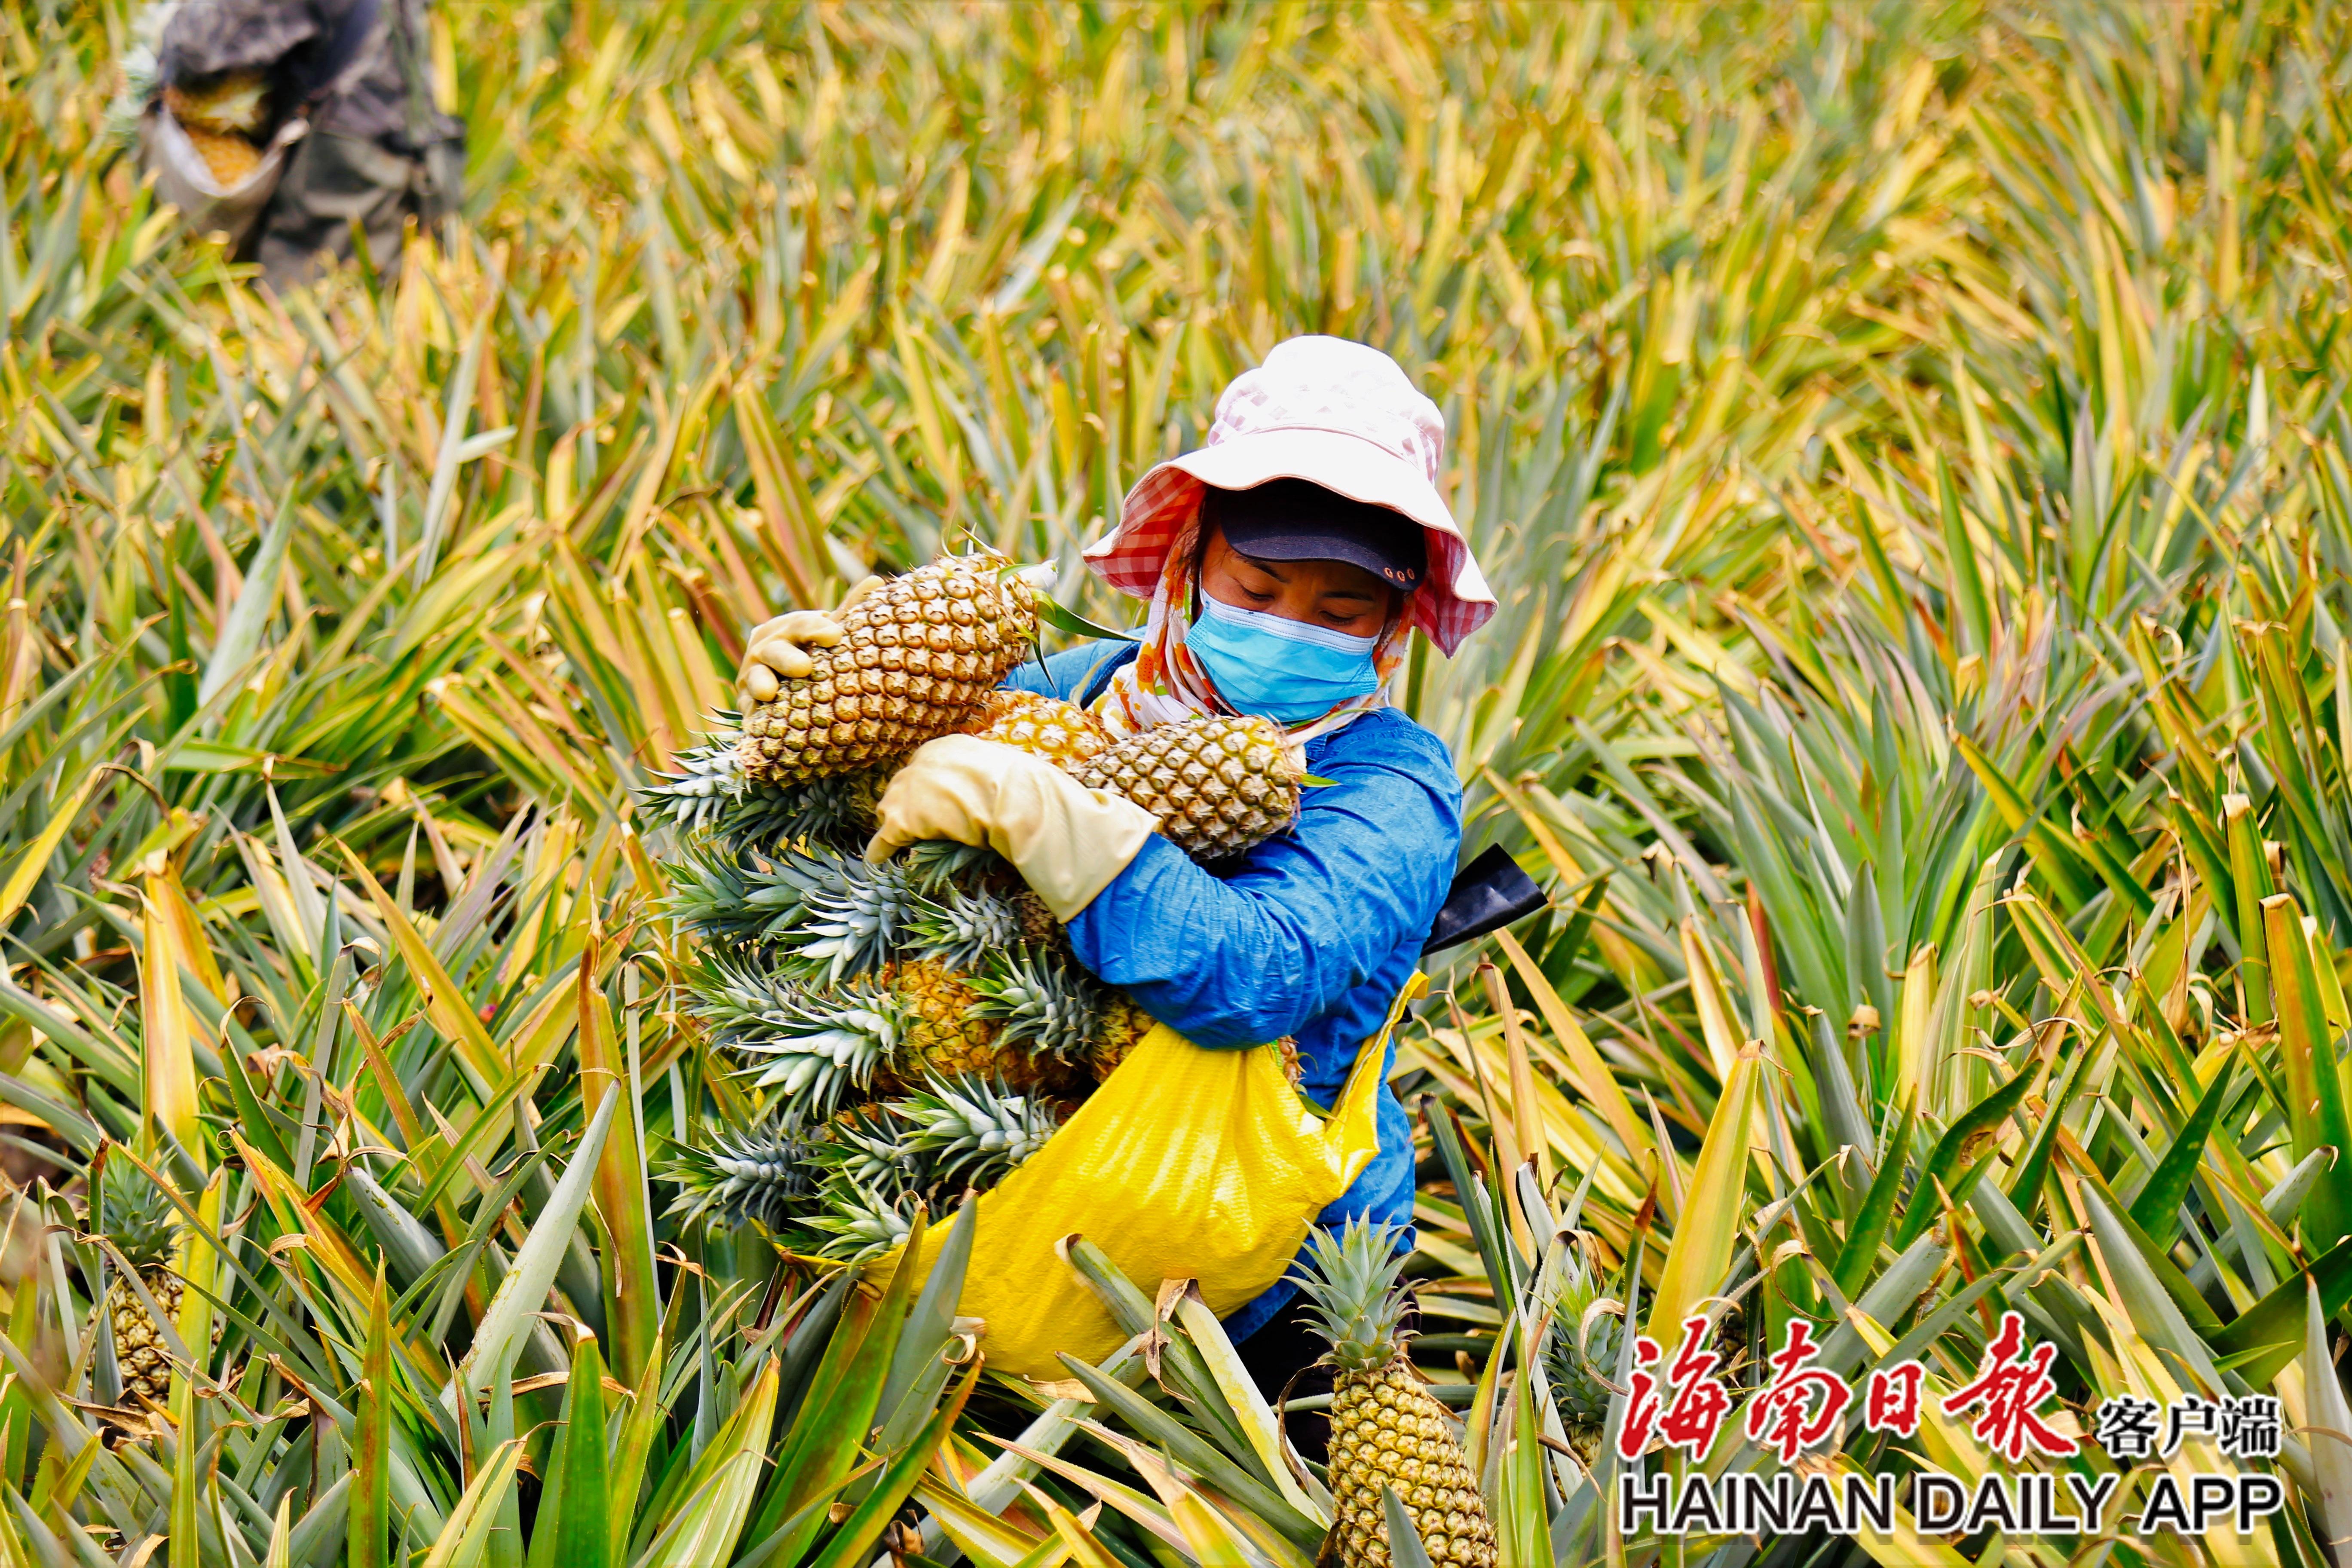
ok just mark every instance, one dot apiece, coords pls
pixel 1340 414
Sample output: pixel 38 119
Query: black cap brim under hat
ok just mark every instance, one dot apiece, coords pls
pixel 1297 519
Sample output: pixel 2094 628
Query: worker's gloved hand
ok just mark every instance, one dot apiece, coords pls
pixel 779 648
pixel 1067 841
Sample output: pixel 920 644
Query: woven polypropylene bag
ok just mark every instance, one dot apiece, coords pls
pixel 185 180
pixel 1186 1162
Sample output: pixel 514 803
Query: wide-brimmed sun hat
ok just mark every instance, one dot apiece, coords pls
pixel 1341 415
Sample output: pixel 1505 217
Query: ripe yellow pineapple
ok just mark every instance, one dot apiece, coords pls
pixel 1062 732
pixel 1037 921
pixel 916 655
pixel 943 1037
pixel 1123 1027
pixel 1386 1429
pixel 134 1213
pixel 235 101
pixel 1217 785
pixel 949 1038
pixel 231 158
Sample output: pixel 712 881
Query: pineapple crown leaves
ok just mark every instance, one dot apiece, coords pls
pixel 827 913
pixel 1350 1279
pixel 836 810
pixel 1051 1008
pixel 973 1129
pixel 707 789
pixel 760 1173
pixel 706 777
pixel 1587 1328
pixel 933 865
pixel 961 929
pixel 711 893
pixel 851 915
pixel 821 1040
pixel 864 1147
pixel 857 1223
pixel 138 1216
pixel 953 1133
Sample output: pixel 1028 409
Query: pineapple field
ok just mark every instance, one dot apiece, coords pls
pixel 466 1099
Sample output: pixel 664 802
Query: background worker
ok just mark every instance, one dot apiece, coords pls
pixel 378 152
pixel 1287 565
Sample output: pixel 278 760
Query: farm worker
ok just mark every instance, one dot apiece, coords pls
pixel 378 152
pixel 1287 565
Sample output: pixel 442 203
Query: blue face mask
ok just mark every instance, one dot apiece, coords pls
pixel 1285 669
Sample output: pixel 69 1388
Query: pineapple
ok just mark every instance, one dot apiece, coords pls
pixel 954 1030
pixel 234 103
pixel 917 656
pixel 760 1174
pixel 943 1034
pixel 231 158
pixel 1122 1027
pixel 1037 921
pixel 142 1222
pixel 710 790
pixel 970 1132
pixel 1580 1358
pixel 1052 1010
pixel 1386 1429
pixel 1062 732
pixel 1216 785
pixel 824 1043
pixel 221 119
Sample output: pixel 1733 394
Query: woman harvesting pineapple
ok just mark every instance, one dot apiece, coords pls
pixel 1286 564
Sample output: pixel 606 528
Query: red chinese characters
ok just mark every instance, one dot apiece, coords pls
pixel 1802 1405
pixel 1699 1401
pixel 1892 1403
pixel 2011 1385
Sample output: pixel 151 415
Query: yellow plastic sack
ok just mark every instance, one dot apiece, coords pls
pixel 1186 1162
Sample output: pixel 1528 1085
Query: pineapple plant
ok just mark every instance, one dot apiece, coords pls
pixel 144 1225
pixel 1387 1430
pixel 917 656
pixel 1217 787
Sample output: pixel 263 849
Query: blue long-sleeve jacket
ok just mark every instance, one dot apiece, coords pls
pixel 1311 937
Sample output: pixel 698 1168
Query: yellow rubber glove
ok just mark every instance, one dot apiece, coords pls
pixel 1067 841
pixel 779 648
